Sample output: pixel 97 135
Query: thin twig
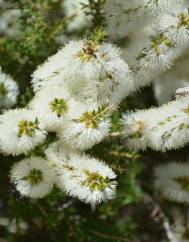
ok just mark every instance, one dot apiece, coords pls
pixel 165 220
pixel 45 214
pixel 106 236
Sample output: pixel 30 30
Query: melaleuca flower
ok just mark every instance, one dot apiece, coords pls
pixel 155 58
pixel 8 91
pixel 58 152
pixel 87 179
pixel 33 177
pixel 21 131
pixel 97 72
pixel 167 45
pixel 125 16
pixel 137 42
pixel 172 181
pixel 77 19
pixel 52 105
pixel 86 126
pixel 171 130
pixel 111 85
pixel 176 25
pixel 167 42
pixel 135 129
pixel 166 127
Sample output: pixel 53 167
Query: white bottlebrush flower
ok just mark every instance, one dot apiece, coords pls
pixel 87 179
pixel 97 72
pixel 165 128
pixel 157 56
pixel 170 131
pixel 176 25
pixel 135 129
pixel 33 177
pixel 169 40
pixel 51 106
pixel 125 16
pixel 8 91
pixel 111 83
pixel 57 153
pixel 87 126
pixel 135 43
pixel 21 131
pixel 172 181
pixel 77 19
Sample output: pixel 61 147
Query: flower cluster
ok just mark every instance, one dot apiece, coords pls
pixel 154 36
pixel 98 75
pixel 124 16
pixel 162 128
pixel 154 47
pixel 76 91
pixel 83 176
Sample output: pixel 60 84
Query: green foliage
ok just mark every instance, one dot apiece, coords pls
pixel 98 35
